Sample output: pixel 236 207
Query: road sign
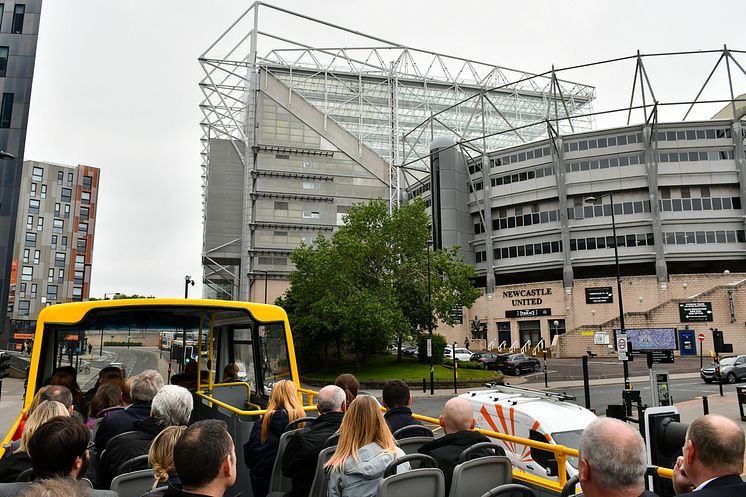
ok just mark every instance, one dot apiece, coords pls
pixel 621 347
pixel 429 347
pixel 701 337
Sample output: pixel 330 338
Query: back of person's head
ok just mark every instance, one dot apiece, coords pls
pixel 47 410
pixel 172 405
pixel 331 398
pixel 65 379
pixel 457 415
pixel 107 395
pixel 284 397
pixel 145 385
pixel 56 445
pixel 230 371
pixel 615 453
pixel 61 394
pixel 349 384
pixel 395 394
pixel 161 453
pixel 201 452
pixel 126 391
pixel 718 443
pixel 109 370
pixel 57 487
pixel 112 378
pixel 362 424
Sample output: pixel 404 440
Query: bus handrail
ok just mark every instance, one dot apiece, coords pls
pixel 236 410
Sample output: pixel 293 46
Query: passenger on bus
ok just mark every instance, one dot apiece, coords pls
pixel 612 460
pixel 106 375
pixel 50 392
pixel 161 456
pixel 205 460
pixel 172 406
pixel 457 421
pixel 230 374
pixel 67 379
pixel 302 451
pixel 365 448
pixel 16 462
pixel 397 399
pixel 57 487
pixel 108 399
pixel 712 459
pixel 349 384
pixel 144 387
pixel 261 449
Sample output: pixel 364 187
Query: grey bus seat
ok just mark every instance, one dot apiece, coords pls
pixel 510 488
pixel 477 476
pixel 133 484
pixel 26 475
pixel 411 431
pixel 320 485
pixel 411 445
pixel 422 482
pixel 277 481
pixel 134 464
pixel 294 423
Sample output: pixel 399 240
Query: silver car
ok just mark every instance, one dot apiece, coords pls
pixel 732 369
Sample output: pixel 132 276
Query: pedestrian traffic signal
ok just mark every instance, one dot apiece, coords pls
pixel 4 365
pixel 188 351
pixel 664 435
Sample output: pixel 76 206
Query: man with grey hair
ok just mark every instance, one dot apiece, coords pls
pixel 612 460
pixel 302 451
pixel 712 459
pixel 144 387
pixel 172 406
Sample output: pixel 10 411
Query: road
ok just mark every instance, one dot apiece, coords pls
pixel 135 360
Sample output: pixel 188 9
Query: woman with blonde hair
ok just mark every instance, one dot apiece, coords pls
pixel 14 463
pixel 161 456
pixel 261 449
pixel 366 446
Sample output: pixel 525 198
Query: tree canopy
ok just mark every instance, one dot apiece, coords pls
pixel 368 283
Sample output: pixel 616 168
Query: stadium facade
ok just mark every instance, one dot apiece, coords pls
pixel 295 134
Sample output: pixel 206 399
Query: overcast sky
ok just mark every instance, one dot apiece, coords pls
pixel 115 86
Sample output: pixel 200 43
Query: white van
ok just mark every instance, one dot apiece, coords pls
pixel 534 414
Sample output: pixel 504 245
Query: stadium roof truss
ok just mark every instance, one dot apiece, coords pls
pixel 394 99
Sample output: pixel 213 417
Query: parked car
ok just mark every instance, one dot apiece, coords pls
pixel 488 359
pixel 121 367
pixel 732 369
pixel 462 354
pixel 517 363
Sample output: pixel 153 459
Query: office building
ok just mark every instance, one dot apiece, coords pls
pixel 19 28
pixel 53 253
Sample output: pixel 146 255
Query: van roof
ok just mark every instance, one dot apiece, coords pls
pixel 552 412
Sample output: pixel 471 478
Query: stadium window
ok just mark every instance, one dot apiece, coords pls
pixel 87 182
pixel 6 110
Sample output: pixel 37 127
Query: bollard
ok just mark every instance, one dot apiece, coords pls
pixel 424 385
pixel 705 405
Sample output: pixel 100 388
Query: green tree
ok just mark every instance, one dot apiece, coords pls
pixel 368 283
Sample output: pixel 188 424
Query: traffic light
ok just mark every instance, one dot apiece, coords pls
pixel 4 365
pixel 664 436
pixel 719 341
pixel 188 354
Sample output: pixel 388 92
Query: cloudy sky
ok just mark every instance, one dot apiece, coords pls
pixel 116 86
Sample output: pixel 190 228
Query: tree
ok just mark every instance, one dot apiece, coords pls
pixel 124 296
pixel 368 283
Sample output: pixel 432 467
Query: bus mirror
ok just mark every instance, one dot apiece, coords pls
pixel 552 467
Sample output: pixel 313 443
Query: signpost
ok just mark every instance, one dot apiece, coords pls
pixel 701 338
pixel 621 347
pixel 600 295
pixel 692 312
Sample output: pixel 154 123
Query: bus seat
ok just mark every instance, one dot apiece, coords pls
pixel 413 431
pixel 26 475
pixel 134 464
pixel 277 481
pixel 294 423
pixel 234 395
pixel 510 488
pixel 421 482
pixel 320 485
pixel 133 484
pixel 480 475
pixel 411 445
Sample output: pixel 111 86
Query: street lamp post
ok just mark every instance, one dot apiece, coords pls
pixel 430 320
pixel 266 276
pixel 593 200
pixel 187 281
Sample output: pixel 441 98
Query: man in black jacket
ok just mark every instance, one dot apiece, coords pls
pixel 457 421
pixel 397 399
pixel 712 460
pixel 302 451
pixel 172 406
pixel 144 387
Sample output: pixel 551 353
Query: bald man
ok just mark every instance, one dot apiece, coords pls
pixel 457 421
pixel 612 460
pixel 712 459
